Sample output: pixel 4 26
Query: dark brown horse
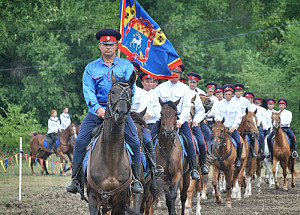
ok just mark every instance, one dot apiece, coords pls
pixel 108 172
pixel 282 153
pixel 169 156
pixel 66 146
pixel 225 154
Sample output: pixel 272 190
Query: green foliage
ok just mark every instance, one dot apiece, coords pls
pixel 15 124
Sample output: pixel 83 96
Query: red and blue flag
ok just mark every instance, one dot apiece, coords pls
pixel 144 42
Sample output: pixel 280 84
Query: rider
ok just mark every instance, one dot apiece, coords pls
pixel 285 122
pixel 242 101
pixel 53 128
pixel 271 103
pixel 219 93
pixel 261 126
pixel 231 111
pixel 182 80
pixel 210 89
pixel 96 85
pixel 194 78
pixel 174 90
pixel 140 102
pixel 65 119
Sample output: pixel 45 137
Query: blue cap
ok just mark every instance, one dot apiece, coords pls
pixel 271 101
pixel 239 86
pixel 248 94
pixel 211 84
pixel 257 99
pixel 193 77
pixel 110 36
pixel 228 87
pixel 282 101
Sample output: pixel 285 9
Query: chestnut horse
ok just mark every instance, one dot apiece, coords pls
pixel 282 153
pixel 109 174
pixel 169 156
pixel 66 146
pixel 225 153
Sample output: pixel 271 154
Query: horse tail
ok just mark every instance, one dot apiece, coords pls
pixel 291 166
pixel 158 191
pixel 32 134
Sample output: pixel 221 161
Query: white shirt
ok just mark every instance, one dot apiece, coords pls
pixel 172 92
pixel 211 113
pixel 65 120
pixel 152 107
pixel 53 125
pixel 286 118
pixel 244 103
pixel 269 118
pixel 199 91
pixel 231 111
pixel 139 99
pixel 199 109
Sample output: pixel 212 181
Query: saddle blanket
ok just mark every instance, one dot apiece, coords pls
pixel 48 141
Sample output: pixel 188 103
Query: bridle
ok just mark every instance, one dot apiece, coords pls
pixel 124 86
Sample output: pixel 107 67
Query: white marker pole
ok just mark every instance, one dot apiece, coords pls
pixel 20 170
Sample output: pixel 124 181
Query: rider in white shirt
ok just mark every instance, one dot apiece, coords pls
pixel 199 116
pixel 219 93
pixel 65 119
pixel 173 90
pixel 231 112
pixel 271 103
pixel 53 128
pixel 285 122
pixel 243 102
pixel 210 89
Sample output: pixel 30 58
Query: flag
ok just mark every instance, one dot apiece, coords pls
pixel 144 41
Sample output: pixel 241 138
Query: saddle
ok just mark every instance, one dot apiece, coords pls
pixel 48 141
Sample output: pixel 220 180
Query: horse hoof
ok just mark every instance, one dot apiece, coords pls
pixel 293 185
pixel 228 205
pixel 203 198
pixel 246 196
pixel 266 180
pixel 219 200
pixel 285 189
pixel 258 190
pixel 277 186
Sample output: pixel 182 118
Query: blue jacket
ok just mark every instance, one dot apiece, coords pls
pixel 96 81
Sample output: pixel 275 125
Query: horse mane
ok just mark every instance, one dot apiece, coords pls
pixel 34 133
pixel 138 118
pixel 171 104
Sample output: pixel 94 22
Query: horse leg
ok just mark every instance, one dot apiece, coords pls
pixel 284 172
pixel 45 167
pixel 93 205
pixel 229 179
pixel 292 172
pixel 172 194
pixel 214 183
pixel 183 192
pixel 275 172
pixel 138 199
pixel 190 191
pixel 202 187
pixel 258 174
pixel 31 163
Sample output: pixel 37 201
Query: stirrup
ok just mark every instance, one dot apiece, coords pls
pixel 159 170
pixel 195 171
pixel 132 185
pixel 294 154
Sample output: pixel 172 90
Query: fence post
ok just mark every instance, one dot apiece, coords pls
pixel 20 170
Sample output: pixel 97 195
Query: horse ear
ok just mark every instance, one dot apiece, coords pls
pixel 132 79
pixel 143 112
pixel 113 78
pixel 223 120
pixel 194 98
pixel 246 111
pixel 255 111
pixel 177 102
pixel 161 102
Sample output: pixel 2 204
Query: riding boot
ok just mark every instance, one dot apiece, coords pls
pixel 262 150
pixel 152 162
pixel 76 178
pixel 193 168
pixel 252 147
pixel 238 157
pixel 203 166
pixel 136 186
pixel 293 149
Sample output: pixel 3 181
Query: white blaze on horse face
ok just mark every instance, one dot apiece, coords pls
pixel 253 118
pixel 74 129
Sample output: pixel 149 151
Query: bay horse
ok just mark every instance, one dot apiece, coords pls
pixel 282 154
pixel 109 173
pixel 169 155
pixel 224 152
pixel 66 146
pixel 152 189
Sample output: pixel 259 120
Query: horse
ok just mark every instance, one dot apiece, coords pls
pixel 109 173
pixel 152 189
pixel 282 154
pixel 169 155
pixel 248 126
pixel 66 146
pixel 225 155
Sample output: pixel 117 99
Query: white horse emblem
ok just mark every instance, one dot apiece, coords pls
pixel 137 40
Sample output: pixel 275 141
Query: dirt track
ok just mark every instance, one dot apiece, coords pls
pixel 49 198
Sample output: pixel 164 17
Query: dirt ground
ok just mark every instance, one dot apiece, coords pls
pixel 45 195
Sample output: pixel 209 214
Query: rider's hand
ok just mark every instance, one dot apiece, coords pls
pixel 100 112
pixel 231 130
pixel 194 124
pixel 146 116
pixel 178 125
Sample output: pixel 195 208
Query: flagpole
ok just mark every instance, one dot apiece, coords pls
pixel 121 26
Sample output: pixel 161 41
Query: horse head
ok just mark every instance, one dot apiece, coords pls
pixel 219 133
pixel 207 103
pixel 249 123
pixel 276 120
pixel 119 99
pixel 168 118
pixel 192 110
pixel 139 122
